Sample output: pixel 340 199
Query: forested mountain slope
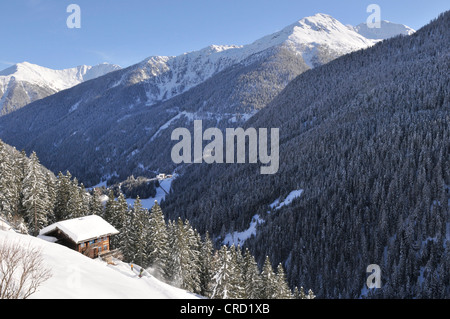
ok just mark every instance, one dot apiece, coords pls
pixel 366 137
pixel 120 124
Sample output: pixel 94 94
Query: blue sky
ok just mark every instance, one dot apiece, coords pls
pixel 126 32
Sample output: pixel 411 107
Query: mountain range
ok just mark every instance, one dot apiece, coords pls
pixel 364 175
pixel 364 172
pixel 110 127
pixel 24 83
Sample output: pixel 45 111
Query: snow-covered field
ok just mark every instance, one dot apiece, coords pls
pixel 289 198
pixel 239 238
pixel 75 276
pixel 148 203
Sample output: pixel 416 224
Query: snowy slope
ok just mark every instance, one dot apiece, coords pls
pixel 287 201
pixel 24 83
pixel 75 276
pixel 161 192
pixel 55 79
pixel 238 238
pixel 320 31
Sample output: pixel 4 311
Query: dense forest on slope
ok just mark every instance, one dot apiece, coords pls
pixel 31 198
pixel 98 130
pixel 366 137
pixel 119 125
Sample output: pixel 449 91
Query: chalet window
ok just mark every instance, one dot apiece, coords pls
pixel 92 242
pixel 105 247
pixel 82 245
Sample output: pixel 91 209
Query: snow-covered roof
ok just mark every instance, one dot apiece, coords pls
pixel 82 229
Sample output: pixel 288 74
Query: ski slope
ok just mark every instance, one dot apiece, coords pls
pixel 75 276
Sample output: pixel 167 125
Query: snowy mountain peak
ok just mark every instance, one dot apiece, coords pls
pixel 309 34
pixel 319 19
pixel 55 79
pixel 318 39
pixel 25 82
pixel 387 30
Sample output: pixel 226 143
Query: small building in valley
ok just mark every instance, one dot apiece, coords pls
pixel 89 235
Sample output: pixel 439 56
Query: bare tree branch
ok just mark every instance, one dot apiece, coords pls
pixel 22 271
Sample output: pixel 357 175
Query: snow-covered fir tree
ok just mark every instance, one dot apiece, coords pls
pixel 63 193
pixel 157 241
pixel 139 230
pixel 222 279
pixel 269 281
pixel 6 183
pixel 35 196
pixel 251 276
pixel 206 266
pixel 95 203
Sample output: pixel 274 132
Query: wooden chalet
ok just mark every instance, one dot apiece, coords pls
pixel 89 235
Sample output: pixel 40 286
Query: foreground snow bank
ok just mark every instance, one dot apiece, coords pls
pixel 75 276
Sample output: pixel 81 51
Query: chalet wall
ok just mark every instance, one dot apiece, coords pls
pixel 93 247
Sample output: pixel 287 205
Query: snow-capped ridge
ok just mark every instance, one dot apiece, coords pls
pixel 173 75
pixel 388 30
pixel 24 82
pixel 55 79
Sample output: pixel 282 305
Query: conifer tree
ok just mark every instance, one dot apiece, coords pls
pixel 223 274
pixel 236 279
pixel 179 255
pixel 251 276
pixel 206 266
pixel 63 193
pixel 302 294
pixel 6 183
pixel 268 281
pixel 127 240
pixel 157 241
pixel 283 291
pixel 75 202
pixel 119 221
pixel 35 196
pixel 110 207
pixel 20 163
pixel 191 264
pixel 95 204
pixel 172 260
pixel 50 185
pixel 140 227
